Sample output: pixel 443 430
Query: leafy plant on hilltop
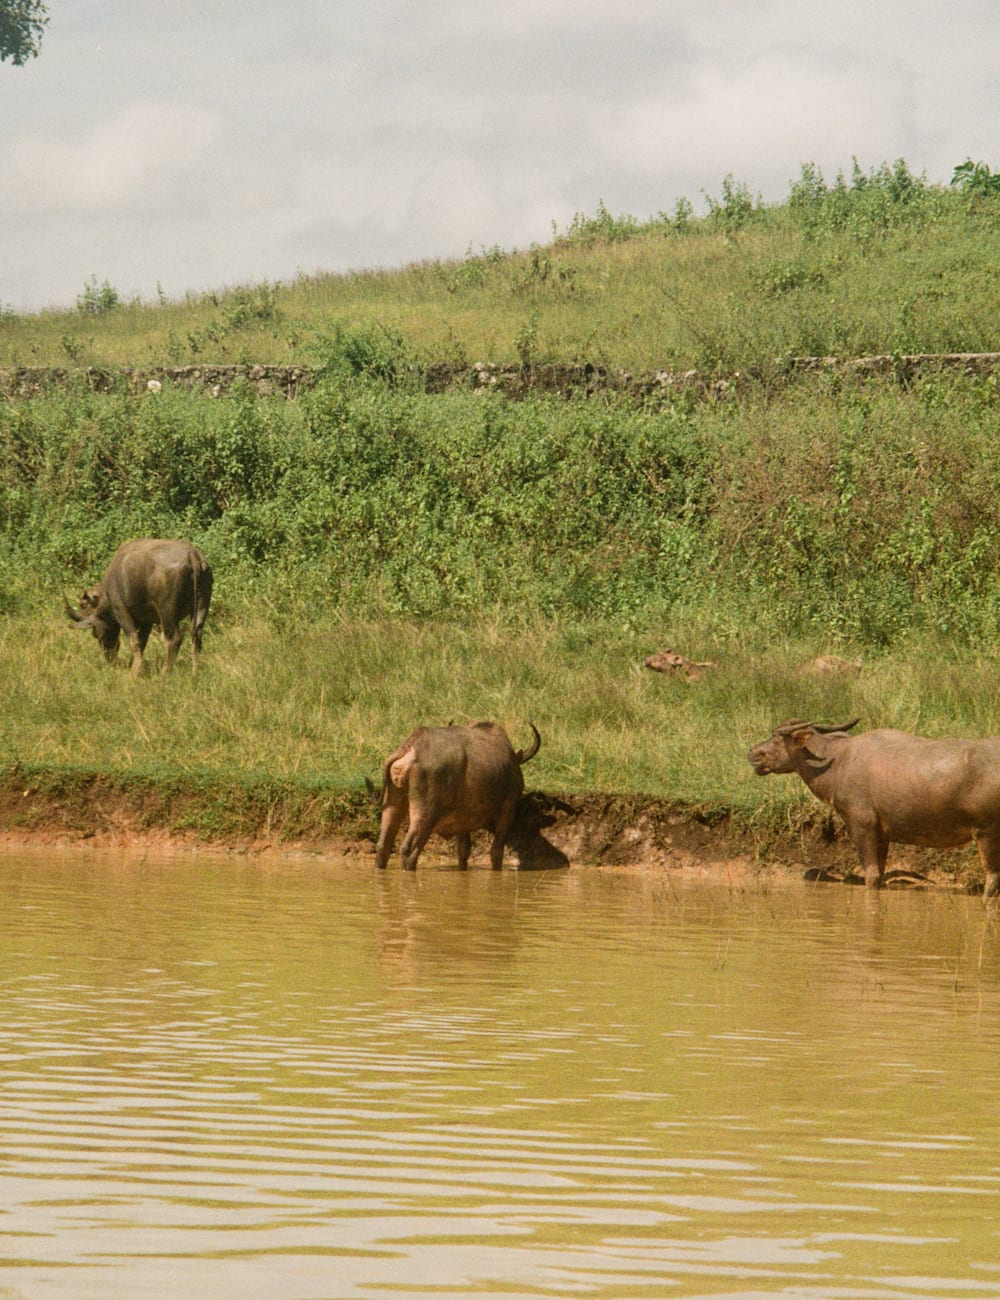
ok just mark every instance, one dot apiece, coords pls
pixel 884 198
pixel 976 179
pixel 603 225
pixel 734 209
pixel 97 299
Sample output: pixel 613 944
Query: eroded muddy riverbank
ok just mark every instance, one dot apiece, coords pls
pixel 96 810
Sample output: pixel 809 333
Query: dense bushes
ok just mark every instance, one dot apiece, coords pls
pixel 858 510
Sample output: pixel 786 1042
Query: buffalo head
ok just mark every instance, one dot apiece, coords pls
pixel 95 613
pixel 788 746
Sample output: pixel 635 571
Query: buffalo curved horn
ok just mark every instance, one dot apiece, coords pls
pixel 523 755
pixel 789 728
pixel 844 726
pixel 72 614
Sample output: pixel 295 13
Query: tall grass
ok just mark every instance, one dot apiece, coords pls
pixel 385 559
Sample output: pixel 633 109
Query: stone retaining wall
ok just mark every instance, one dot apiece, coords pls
pixel 513 380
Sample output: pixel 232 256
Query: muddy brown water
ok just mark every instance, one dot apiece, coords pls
pixel 231 1078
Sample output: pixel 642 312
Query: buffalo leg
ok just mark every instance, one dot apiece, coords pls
pixel 873 851
pixel 172 638
pixel 988 845
pixel 496 851
pixel 416 837
pixel 138 635
pixel 463 844
pixel 501 829
pixel 137 638
pixel 425 812
pixel 422 822
pixel 392 819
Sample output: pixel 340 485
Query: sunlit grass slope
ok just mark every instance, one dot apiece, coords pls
pixel 883 262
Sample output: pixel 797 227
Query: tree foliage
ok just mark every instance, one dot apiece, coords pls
pixel 21 26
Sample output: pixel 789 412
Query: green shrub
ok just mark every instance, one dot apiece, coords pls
pixel 374 352
pixel 852 511
pixel 976 179
pixel 734 210
pixel 96 300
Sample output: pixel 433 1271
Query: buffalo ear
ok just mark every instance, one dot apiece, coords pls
pixel 801 739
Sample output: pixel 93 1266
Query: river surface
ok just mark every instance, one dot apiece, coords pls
pixel 229 1078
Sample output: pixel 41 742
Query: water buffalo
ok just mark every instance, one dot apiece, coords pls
pixel 150 582
pixel 451 781
pixel 669 661
pixel 894 788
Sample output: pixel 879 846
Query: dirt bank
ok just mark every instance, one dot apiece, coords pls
pixel 99 810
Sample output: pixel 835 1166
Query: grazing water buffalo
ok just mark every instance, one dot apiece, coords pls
pixel 894 788
pixel 451 781
pixel 150 582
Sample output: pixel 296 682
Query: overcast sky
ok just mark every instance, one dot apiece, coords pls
pixel 191 145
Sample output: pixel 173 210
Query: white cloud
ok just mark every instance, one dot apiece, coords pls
pixel 205 149
pixel 760 122
pixel 133 159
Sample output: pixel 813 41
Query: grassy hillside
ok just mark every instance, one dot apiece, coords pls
pixel 876 262
pixel 385 557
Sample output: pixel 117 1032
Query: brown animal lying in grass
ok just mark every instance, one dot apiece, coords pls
pixel 669 661
pixel 829 666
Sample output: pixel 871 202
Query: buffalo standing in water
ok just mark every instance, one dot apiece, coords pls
pixel 451 781
pixel 894 788
pixel 149 583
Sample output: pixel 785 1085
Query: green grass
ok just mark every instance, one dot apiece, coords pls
pixel 317 708
pixel 856 512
